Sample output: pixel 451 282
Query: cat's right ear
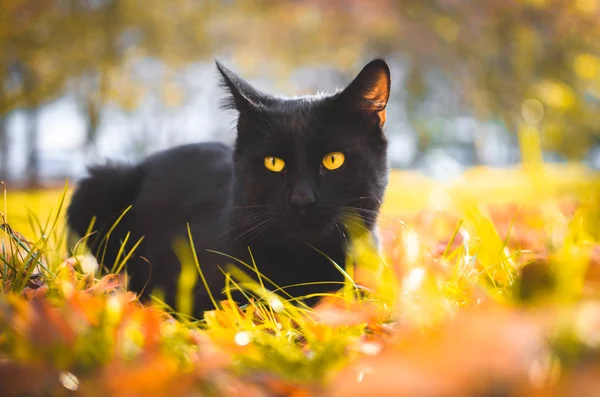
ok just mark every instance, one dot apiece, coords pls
pixel 243 96
pixel 369 91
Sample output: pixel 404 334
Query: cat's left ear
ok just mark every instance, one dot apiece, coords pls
pixel 370 90
pixel 243 96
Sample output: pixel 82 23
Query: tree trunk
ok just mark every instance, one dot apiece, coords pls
pixel 93 119
pixel 33 160
pixel 4 175
pixel 32 172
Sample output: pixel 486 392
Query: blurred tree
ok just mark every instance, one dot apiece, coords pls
pixel 30 71
pixel 495 54
pixel 45 44
pixel 32 131
pixel 87 47
pixel 3 138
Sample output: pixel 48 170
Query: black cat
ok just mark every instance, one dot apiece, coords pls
pixel 299 166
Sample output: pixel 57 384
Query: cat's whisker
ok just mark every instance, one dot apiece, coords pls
pixel 238 222
pixel 249 235
pixel 245 221
pixel 349 207
pixel 370 216
pixel 390 222
pixel 376 213
pixel 379 224
pixel 241 222
pixel 247 218
pixel 242 207
pixel 258 231
pixel 371 196
pixel 341 232
pixel 361 218
pixel 358 221
pixel 252 229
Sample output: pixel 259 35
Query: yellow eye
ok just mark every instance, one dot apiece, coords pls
pixel 334 160
pixel 274 164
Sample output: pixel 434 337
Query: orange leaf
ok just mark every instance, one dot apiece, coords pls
pixel 37 293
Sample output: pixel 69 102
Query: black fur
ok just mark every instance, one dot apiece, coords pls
pixel 233 202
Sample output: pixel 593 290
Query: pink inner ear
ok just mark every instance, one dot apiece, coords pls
pixel 369 91
pixel 375 99
pixel 376 95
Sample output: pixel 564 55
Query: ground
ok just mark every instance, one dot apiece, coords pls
pixel 487 286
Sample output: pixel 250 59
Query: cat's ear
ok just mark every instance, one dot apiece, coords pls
pixel 243 95
pixel 370 90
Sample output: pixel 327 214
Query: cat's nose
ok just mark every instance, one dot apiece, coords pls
pixel 302 197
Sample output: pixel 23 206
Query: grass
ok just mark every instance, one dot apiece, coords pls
pixel 487 286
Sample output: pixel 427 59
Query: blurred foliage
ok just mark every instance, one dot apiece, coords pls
pixel 473 296
pixel 513 60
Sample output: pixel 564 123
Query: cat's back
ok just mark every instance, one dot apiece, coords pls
pixel 186 184
pixel 184 167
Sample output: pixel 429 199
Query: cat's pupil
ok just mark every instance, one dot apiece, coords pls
pixel 333 159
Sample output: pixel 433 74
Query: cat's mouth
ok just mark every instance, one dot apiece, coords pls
pixel 309 227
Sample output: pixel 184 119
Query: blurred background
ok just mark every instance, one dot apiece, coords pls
pixel 85 80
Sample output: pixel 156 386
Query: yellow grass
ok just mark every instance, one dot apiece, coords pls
pixel 451 299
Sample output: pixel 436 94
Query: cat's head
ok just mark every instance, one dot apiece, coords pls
pixel 306 164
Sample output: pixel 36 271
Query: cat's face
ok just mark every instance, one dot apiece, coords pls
pixel 307 165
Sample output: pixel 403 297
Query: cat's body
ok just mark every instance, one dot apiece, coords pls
pixel 277 192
